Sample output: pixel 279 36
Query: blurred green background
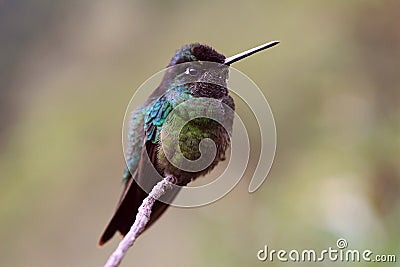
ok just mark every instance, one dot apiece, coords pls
pixel 69 68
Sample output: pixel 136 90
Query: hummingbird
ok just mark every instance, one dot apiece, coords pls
pixel 146 160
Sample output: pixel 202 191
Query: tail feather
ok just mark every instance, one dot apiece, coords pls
pixel 125 214
pixel 133 196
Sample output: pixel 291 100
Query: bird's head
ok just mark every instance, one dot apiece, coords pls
pixel 202 70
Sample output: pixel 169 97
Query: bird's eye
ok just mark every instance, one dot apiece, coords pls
pixel 191 71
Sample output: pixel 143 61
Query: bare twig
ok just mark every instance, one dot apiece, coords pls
pixel 142 218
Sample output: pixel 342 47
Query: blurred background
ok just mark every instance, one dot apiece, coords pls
pixel 69 68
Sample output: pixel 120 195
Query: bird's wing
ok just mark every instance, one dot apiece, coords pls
pixel 146 175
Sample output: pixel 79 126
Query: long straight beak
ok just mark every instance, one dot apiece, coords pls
pixel 249 52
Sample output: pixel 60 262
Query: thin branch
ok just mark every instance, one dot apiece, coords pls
pixel 142 218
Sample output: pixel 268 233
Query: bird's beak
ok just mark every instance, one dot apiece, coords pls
pixel 249 52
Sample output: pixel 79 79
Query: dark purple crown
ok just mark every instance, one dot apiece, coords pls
pixel 196 52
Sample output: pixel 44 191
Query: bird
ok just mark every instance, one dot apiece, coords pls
pixel 146 156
